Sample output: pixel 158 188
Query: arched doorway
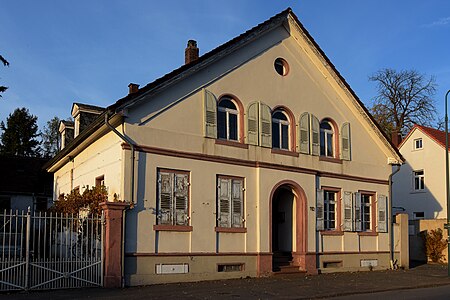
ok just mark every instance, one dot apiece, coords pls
pixel 288 227
pixel 282 227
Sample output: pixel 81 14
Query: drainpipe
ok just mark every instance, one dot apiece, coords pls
pixel 132 146
pixel 391 223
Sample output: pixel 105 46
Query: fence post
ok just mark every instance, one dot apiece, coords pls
pixel 112 245
pixel 27 250
pixel 403 239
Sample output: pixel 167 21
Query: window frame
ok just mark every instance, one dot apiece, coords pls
pixel 231 226
pixel 337 211
pixel 326 133
pixel 227 112
pixel 415 141
pixel 173 226
pixel 421 181
pixel 372 211
pixel 291 142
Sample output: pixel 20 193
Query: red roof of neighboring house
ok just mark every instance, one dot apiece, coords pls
pixel 435 134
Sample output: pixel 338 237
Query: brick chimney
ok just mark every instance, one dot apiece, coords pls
pixel 191 52
pixel 396 138
pixel 133 88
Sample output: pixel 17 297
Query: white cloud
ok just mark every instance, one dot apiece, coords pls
pixel 440 22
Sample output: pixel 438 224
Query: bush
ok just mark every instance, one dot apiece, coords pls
pixel 435 245
pixel 73 202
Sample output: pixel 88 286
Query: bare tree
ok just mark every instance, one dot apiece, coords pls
pixel 5 63
pixel 404 98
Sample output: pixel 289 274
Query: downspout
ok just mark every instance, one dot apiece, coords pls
pixel 391 223
pixel 132 146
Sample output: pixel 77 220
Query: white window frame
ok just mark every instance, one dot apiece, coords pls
pixel 173 213
pixel 326 208
pixel 280 130
pixel 416 142
pixel 227 112
pixel 364 220
pixel 326 132
pixel 421 180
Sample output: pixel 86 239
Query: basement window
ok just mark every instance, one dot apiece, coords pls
pixel 332 264
pixel 230 267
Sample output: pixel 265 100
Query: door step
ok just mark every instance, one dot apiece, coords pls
pixel 289 270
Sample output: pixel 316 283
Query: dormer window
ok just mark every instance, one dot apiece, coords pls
pixel 418 144
pixel 77 125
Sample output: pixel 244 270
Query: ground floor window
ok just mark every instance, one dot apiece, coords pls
pixel 366 212
pixel 230 201
pixel 329 210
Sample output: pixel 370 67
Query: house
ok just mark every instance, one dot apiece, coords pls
pixel 419 187
pixel 253 158
pixel 25 184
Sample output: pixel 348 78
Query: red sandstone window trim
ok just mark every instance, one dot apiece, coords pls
pixel 231 229
pixel 178 228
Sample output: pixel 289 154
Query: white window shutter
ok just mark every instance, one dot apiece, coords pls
pixel 181 199
pixel 223 205
pixel 315 134
pixel 252 123
pixel 357 212
pixel 237 203
pixel 210 109
pixel 345 142
pixel 165 203
pixel 348 211
pixel 382 213
pixel 320 210
pixel 304 133
pixel 265 124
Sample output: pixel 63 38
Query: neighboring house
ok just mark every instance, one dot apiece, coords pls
pixel 251 157
pixel 25 184
pixel 419 187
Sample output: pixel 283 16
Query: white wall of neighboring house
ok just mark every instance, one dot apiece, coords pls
pixel 431 160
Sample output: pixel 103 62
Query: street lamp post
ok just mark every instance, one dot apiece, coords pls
pixel 447 183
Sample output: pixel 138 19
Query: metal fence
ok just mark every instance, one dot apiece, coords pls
pixel 50 251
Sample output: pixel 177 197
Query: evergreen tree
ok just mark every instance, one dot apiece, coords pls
pixel 19 136
pixel 51 138
pixel 5 63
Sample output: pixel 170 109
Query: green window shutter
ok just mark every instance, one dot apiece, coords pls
pixel 304 133
pixel 165 195
pixel 252 124
pixel 181 199
pixel 265 125
pixel 210 109
pixel 348 211
pixel 237 203
pixel 320 210
pixel 382 213
pixel 357 212
pixel 315 134
pixel 345 142
pixel 223 205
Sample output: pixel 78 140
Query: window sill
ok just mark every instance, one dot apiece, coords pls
pixel 172 228
pixel 284 152
pixel 418 191
pixel 231 229
pixel 367 233
pixel 330 159
pixel 331 232
pixel 231 143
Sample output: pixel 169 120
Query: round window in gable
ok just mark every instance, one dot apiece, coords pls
pixel 281 66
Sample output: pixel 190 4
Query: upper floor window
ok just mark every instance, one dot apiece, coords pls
pixel 281 66
pixel 227 120
pixel 326 139
pixel 418 144
pixel 280 130
pixel 419 180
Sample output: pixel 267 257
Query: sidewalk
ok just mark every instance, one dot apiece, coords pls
pixel 275 287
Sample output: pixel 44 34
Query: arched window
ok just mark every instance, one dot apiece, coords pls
pixel 227 120
pixel 280 130
pixel 326 139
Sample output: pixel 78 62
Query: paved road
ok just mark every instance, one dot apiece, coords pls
pixel 358 285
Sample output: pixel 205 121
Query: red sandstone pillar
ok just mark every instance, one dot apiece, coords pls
pixel 112 243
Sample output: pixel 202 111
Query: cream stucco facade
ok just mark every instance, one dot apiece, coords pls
pixel 278 187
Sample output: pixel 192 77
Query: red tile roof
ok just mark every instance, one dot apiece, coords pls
pixel 437 135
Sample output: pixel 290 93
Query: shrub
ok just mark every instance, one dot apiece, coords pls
pixel 73 202
pixel 435 245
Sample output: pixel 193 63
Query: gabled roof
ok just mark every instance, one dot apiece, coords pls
pixel 435 134
pixel 208 58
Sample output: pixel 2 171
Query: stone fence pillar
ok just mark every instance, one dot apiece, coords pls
pixel 112 243
pixel 403 239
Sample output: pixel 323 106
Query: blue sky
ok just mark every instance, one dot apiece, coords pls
pixel 62 52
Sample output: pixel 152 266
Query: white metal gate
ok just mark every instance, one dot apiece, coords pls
pixel 50 251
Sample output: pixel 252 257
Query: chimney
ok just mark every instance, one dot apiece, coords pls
pixel 133 88
pixel 396 138
pixel 191 52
